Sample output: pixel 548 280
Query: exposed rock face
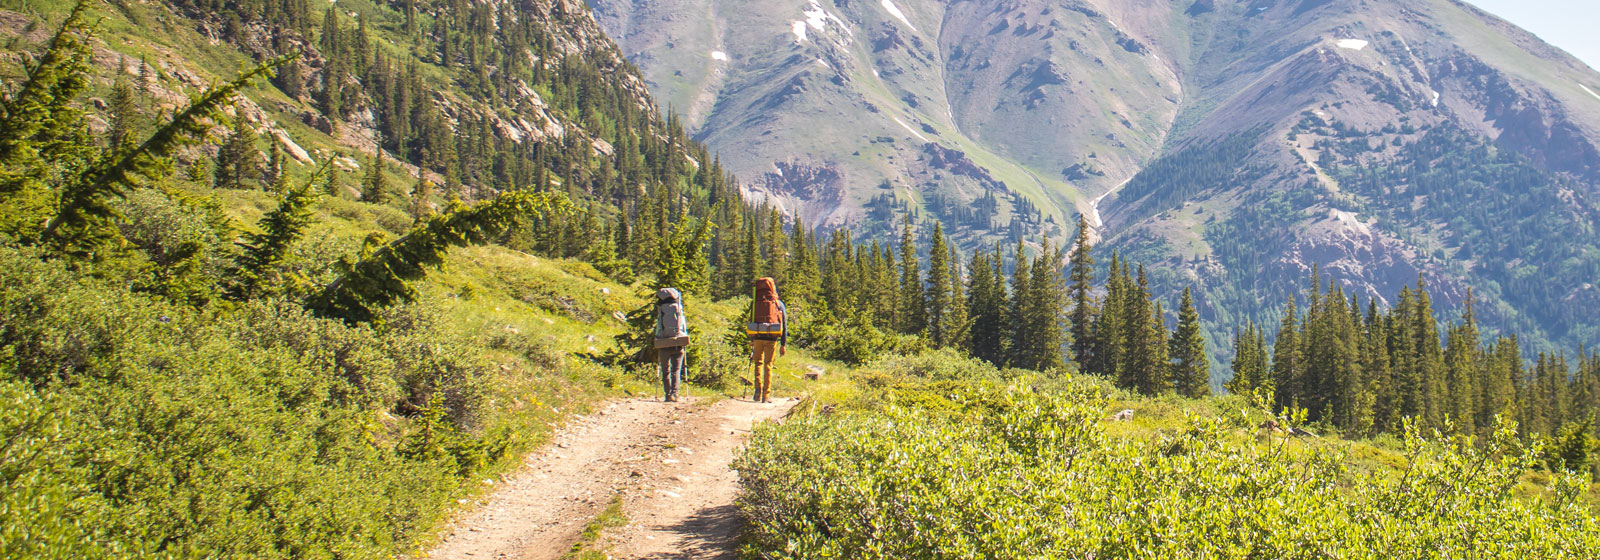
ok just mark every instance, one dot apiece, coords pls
pixel 955 161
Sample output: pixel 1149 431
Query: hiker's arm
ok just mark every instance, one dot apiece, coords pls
pixel 783 341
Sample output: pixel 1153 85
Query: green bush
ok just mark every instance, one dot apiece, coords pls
pixel 715 364
pixel 133 427
pixel 1003 470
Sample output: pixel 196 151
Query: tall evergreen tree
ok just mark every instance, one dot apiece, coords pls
pixel 1429 362
pixel 1110 330
pixel 986 304
pixel 375 187
pixel 1286 358
pixel 1250 368
pixel 126 117
pixel 958 324
pixel 938 290
pixel 1019 353
pixel 912 316
pixel 422 199
pixel 1462 359
pixel 238 162
pixel 1082 279
pixel 1044 306
pixel 1191 372
pixel 1147 368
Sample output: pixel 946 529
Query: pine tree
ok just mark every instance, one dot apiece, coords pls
pixel 986 304
pixel 1462 360
pixel 238 162
pixel 1047 299
pixel 680 262
pixel 1499 385
pixel 273 176
pixel 1286 364
pixel 83 212
pixel 1110 331
pixel 375 187
pixel 958 327
pixel 1429 360
pixel 1377 371
pixel 330 98
pixel 912 316
pixel 1190 368
pixel 1250 368
pixel 886 287
pixel 938 290
pixel 1019 353
pixel 1147 341
pixel 126 117
pixel 422 200
pixel 280 229
pixel 753 264
pixel 292 81
pixel 1083 311
pixel 381 277
pixel 804 274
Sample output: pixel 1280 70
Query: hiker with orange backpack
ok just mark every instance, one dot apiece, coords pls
pixel 769 332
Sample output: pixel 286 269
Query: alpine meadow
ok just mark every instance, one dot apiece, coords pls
pixel 799 279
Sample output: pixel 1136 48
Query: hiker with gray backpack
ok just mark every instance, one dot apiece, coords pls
pixel 672 337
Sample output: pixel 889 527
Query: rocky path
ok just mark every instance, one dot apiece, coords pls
pixel 669 462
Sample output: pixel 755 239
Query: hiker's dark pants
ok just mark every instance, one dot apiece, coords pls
pixel 671 360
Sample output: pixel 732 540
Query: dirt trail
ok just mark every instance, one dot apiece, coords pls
pixel 669 461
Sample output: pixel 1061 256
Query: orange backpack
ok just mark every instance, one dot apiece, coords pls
pixel 766 315
pixel 766 302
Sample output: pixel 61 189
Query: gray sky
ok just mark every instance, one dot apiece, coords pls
pixel 1569 24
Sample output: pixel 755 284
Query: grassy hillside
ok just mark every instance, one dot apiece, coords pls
pixel 260 430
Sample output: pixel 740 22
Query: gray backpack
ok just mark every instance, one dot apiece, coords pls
pixel 672 328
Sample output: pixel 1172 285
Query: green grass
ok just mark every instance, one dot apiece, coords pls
pixel 587 547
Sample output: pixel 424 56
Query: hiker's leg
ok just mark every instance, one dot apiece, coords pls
pixel 762 356
pixel 766 371
pixel 676 374
pixel 663 365
pixel 766 381
pixel 755 375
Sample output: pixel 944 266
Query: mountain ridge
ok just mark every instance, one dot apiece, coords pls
pixel 1072 107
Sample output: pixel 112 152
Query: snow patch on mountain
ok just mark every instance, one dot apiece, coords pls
pixel 913 131
pixel 817 19
pixel 1591 92
pixel 816 16
pixel 895 11
pixel 1353 44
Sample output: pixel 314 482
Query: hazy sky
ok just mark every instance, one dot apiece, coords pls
pixel 1569 24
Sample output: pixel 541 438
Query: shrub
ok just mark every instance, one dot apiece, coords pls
pixel 855 343
pixel 996 470
pixel 715 364
pixel 135 427
pixel 937 365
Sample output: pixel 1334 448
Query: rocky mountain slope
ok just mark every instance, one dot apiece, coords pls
pixel 1257 139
